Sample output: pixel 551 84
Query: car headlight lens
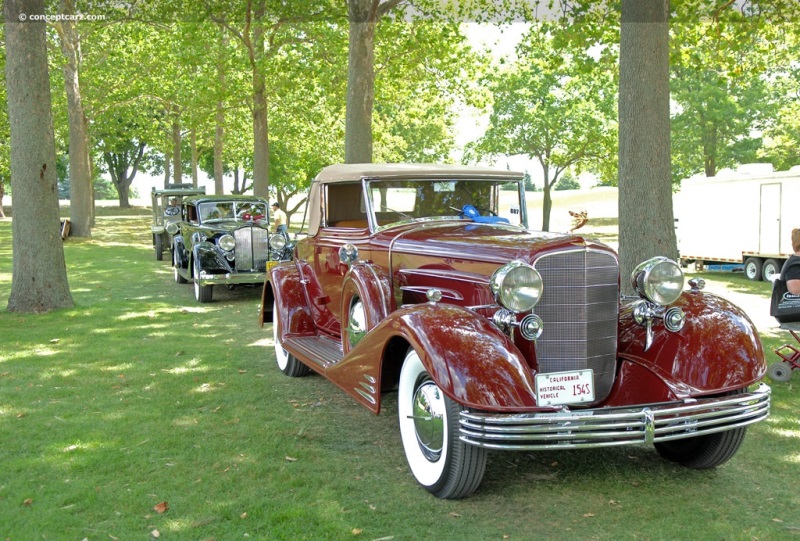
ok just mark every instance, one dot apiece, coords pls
pixel 659 280
pixel 277 242
pixel 227 242
pixel 517 286
pixel 172 228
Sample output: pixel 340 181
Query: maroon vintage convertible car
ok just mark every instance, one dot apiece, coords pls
pixel 425 280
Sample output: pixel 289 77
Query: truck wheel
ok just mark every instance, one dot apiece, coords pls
pixel 429 425
pixel 780 371
pixel 752 268
pixel 287 362
pixel 770 267
pixel 704 452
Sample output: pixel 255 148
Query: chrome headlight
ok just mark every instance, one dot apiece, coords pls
pixel 659 280
pixel 517 286
pixel 172 228
pixel 227 242
pixel 277 242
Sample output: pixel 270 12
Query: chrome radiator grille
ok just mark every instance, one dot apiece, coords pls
pixel 252 248
pixel 579 309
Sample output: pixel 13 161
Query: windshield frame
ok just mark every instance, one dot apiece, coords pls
pixel 370 183
pixel 237 207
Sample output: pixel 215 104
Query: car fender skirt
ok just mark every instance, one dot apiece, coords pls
pixel 470 360
pixel 717 350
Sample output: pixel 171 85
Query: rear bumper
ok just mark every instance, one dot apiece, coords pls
pixel 609 427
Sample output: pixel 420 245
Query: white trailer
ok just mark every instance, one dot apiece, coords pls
pixel 744 217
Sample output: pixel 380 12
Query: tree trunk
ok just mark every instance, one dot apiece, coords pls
pixel 123 189
pixel 177 164
pixel 2 194
pixel 80 175
pixel 360 82
pixel 193 141
pixel 260 111
pixel 39 275
pixel 646 223
pixel 219 134
pixel 167 168
pixel 547 199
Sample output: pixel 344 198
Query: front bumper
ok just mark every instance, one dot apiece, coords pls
pixel 608 427
pixel 232 278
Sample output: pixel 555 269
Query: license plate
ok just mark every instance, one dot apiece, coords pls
pixel 558 388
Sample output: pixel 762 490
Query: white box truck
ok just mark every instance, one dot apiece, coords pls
pixel 744 217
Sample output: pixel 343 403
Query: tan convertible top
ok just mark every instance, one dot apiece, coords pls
pixel 356 172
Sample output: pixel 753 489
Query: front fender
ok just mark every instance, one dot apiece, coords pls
pixel 470 359
pixel 717 350
pixel 209 259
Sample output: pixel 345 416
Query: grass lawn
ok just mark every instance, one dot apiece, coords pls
pixel 140 414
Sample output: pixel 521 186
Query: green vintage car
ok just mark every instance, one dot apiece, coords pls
pixel 166 209
pixel 224 239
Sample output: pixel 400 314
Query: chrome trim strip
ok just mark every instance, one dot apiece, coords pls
pixel 368 397
pixel 606 427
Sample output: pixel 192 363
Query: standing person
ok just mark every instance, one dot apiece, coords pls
pixel 279 220
pixel 791 269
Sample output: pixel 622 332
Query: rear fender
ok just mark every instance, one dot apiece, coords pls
pixel 717 350
pixel 180 249
pixel 373 287
pixel 469 358
pixel 285 285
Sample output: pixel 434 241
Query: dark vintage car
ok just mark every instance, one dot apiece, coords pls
pixel 224 239
pixel 426 280
pixel 166 204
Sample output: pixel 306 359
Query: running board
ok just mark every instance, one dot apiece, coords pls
pixel 315 350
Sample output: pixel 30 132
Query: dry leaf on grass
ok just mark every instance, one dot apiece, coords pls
pixel 27 501
pixel 161 507
pixel 290 459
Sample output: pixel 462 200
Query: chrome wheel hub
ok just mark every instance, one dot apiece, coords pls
pixel 428 414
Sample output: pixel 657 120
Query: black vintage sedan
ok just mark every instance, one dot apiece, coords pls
pixel 224 239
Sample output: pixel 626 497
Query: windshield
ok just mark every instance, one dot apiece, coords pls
pixel 229 210
pixel 401 200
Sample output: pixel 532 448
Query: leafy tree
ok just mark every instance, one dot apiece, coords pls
pixel 567 182
pixel 719 86
pixel 39 275
pixel 782 135
pixel 553 105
